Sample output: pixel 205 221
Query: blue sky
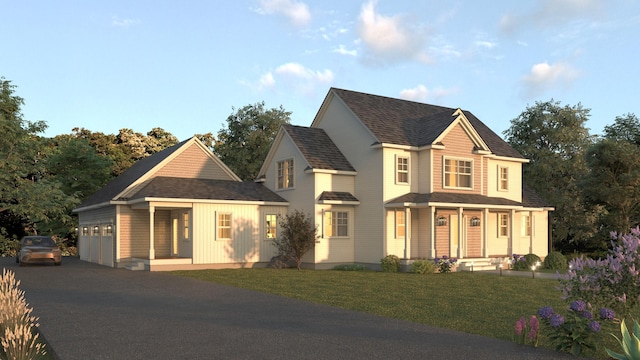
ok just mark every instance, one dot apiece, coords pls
pixel 184 65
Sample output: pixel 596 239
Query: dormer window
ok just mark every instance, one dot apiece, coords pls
pixel 458 173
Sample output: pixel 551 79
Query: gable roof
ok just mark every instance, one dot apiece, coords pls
pixel 317 148
pixel 204 189
pixel 410 123
pixel 142 168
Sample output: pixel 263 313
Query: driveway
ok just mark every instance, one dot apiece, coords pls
pixel 89 311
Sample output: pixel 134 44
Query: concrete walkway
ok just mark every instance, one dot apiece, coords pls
pixel 89 311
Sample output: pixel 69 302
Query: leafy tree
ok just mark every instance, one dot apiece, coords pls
pixel 297 237
pixel 159 139
pixel 625 128
pixel 244 144
pixel 555 139
pixel 614 183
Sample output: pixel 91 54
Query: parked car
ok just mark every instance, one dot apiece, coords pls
pixel 38 249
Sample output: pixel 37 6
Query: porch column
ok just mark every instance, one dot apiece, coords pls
pixel 461 228
pixel 432 232
pixel 531 235
pixel 512 231
pixel 407 233
pixel 485 232
pixel 152 252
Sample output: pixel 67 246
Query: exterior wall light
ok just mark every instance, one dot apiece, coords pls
pixel 442 221
pixel 475 221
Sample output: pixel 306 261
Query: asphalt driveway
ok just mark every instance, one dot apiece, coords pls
pixel 89 311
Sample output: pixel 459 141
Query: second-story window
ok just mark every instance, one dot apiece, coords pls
pixel 285 174
pixel 503 181
pixel 458 173
pixel 402 170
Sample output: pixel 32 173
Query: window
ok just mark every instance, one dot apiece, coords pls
pixel 271 225
pixel 526 225
pixel 402 170
pixel 400 225
pixel 336 223
pixel 85 231
pixel 285 174
pixel 224 226
pixel 95 231
pixel 503 225
pixel 457 173
pixel 108 230
pixel 185 225
pixel 503 181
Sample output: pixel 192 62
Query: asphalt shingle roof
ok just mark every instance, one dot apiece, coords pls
pixel 337 196
pixel 318 149
pixel 205 189
pixel 411 123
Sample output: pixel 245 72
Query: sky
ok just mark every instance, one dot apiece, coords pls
pixel 185 66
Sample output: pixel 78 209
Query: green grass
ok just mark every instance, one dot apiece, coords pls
pixel 476 303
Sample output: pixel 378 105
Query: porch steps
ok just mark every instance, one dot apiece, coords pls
pixel 135 265
pixel 477 264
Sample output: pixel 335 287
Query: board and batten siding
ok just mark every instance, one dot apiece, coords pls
pixel 247 243
pixel 354 141
pixel 192 164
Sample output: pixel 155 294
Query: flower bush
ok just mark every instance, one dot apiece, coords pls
pixel 445 264
pixel 612 282
pixel 524 262
pixel 577 331
pixel 527 334
pixel 390 263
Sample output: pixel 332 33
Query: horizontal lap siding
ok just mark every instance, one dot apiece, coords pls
pixel 134 233
pixel 474 235
pixel 459 146
pixel 442 233
pixel 193 163
pixel 162 233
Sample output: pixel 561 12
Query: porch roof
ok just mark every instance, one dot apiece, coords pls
pixel 453 198
pixel 337 196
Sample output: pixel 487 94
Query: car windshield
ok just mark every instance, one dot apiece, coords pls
pixel 38 241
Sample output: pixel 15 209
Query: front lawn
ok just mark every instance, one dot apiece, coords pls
pixel 475 303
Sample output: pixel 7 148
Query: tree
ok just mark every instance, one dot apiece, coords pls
pixel 244 144
pixel 614 183
pixel 297 236
pixel 555 139
pixel 625 128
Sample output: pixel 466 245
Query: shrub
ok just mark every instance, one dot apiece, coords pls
pixel 612 282
pixel 422 267
pixel 630 343
pixel 18 337
pixel 525 262
pixel 297 237
pixel 555 261
pixel 350 267
pixel 445 264
pixel 8 246
pixel 390 263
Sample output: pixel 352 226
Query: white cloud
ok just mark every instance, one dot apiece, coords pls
pixel 342 50
pixel 124 23
pixel 422 94
pixel 551 13
pixel 297 12
pixel 295 77
pixel 544 76
pixel 390 39
pixel 486 44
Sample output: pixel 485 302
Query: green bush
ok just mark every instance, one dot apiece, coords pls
pixel 524 262
pixel 8 246
pixel 423 267
pixel 555 261
pixel 350 267
pixel 390 263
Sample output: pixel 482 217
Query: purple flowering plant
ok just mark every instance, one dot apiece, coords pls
pixel 527 334
pixel 611 282
pixel 445 264
pixel 577 331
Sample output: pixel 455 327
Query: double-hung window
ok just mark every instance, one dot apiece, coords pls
pixel 458 173
pixel 526 225
pixel 285 174
pixel 224 226
pixel 402 170
pixel 400 223
pixel 336 223
pixel 503 225
pixel 185 225
pixel 503 181
pixel 271 225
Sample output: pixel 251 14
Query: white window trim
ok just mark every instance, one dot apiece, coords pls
pixel 397 171
pixel 444 174
pixel 500 215
pixel 500 178
pixel 186 226
pixel 218 227
pixel 397 224
pixel 267 227
pixel 293 177
pixel 324 224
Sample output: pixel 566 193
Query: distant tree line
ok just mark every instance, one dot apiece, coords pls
pixel 592 180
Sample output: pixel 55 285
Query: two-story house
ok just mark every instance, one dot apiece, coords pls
pixel 388 176
pixel 380 176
